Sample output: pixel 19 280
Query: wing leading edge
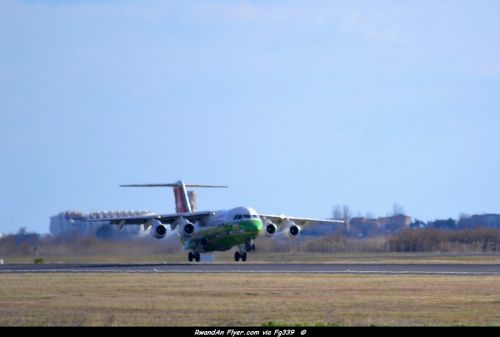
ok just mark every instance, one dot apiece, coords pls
pixel 193 217
pixel 279 219
pixel 163 218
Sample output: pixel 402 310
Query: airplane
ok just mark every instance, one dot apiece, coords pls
pixel 210 231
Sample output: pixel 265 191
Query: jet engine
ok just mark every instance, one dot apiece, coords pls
pixel 186 228
pixel 158 230
pixel 270 228
pixel 293 230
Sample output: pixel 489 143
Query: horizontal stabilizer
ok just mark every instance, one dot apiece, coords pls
pixel 173 185
pixel 182 201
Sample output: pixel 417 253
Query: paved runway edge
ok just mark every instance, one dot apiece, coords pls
pixel 390 269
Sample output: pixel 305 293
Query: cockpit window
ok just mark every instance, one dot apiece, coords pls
pixel 237 217
pixel 246 216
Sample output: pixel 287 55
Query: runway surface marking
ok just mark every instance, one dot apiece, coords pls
pixel 391 269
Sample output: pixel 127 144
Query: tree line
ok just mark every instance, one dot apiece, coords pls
pixel 477 240
pixel 429 240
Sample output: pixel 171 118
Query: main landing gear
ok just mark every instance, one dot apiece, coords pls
pixel 241 254
pixel 195 256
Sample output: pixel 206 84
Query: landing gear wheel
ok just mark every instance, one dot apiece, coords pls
pixel 253 246
pixel 244 256
pixel 190 257
pixel 197 256
pixel 237 256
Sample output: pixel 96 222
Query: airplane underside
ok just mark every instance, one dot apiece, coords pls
pixel 221 242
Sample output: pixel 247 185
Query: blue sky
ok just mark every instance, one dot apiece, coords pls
pixel 297 106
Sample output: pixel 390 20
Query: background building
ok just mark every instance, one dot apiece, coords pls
pixel 483 220
pixel 76 223
pixel 361 227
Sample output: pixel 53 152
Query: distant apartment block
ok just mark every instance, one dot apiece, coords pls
pixel 484 220
pixel 318 229
pixel 76 223
pixel 362 227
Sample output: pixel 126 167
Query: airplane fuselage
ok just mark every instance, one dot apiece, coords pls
pixel 224 230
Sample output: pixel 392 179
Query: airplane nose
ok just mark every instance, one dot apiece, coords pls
pixel 252 226
pixel 257 225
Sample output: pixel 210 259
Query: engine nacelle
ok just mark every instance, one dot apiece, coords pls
pixel 293 230
pixel 270 228
pixel 158 230
pixel 186 228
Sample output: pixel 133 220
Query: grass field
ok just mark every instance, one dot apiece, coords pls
pixel 256 257
pixel 246 300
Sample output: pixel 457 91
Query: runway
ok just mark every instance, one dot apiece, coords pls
pixel 257 268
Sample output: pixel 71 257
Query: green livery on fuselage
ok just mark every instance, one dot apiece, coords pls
pixel 224 236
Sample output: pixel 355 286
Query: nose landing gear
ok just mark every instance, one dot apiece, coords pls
pixel 250 246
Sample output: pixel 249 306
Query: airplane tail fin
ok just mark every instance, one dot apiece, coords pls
pixel 183 202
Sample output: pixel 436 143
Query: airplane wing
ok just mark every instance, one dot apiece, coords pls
pixel 163 218
pixel 282 219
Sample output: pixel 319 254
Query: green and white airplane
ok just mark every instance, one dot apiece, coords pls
pixel 209 231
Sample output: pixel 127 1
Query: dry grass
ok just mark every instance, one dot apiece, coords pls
pixel 260 257
pixel 250 299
